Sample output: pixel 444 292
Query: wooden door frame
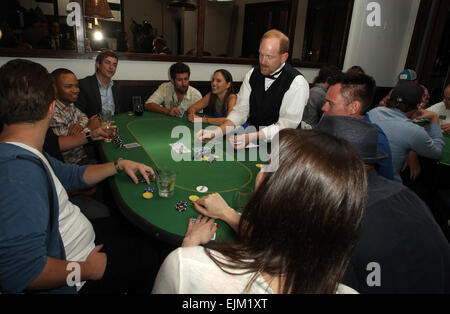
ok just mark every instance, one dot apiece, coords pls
pixel 430 35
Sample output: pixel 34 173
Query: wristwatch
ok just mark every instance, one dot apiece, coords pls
pixel 88 137
pixel 116 165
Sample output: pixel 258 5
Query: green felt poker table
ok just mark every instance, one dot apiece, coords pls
pixel 158 216
pixel 445 159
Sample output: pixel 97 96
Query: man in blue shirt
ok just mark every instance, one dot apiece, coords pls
pixel 403 135
pixel 350 95
pixel 43 236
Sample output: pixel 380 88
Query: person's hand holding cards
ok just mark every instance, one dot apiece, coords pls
pixel 174 112
pixel 200 231
pixel 131 167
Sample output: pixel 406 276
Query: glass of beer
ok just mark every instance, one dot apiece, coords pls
pixel 138 107
pixel 106 121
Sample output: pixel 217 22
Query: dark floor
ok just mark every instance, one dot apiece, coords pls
pixel 134 257
pixel 433 187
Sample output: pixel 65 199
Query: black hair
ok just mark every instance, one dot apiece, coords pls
pixel 325 73
pixel 56 73
pixel 178 68
pixel 105 54
pixel 213 98
pixel 26 92
pixel 356 86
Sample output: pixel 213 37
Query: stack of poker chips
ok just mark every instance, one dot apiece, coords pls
pixel 148 193
pixel 118 141
pixel 181 206
pixel 205 153
pixel 149 189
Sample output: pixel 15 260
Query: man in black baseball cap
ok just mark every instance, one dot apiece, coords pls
pixel 403 135
pixel 410 76
pixel 401 248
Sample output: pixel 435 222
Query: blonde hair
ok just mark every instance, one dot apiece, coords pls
pixel 284 40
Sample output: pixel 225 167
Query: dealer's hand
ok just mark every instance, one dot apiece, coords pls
pixel 239 141
pixel 206 135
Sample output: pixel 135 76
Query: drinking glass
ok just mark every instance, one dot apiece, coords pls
pixel 165 180
pixel 106 121
pixel 138 107
pixel 241 198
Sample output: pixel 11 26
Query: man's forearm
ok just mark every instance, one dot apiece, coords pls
pixel 156 108
pixel 97 173
pixel 55 274
pixel 71 141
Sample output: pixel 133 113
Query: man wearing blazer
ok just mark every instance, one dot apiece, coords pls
pixel 98 92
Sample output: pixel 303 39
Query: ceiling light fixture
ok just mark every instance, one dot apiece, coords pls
pixel 185 5
pixel 97 9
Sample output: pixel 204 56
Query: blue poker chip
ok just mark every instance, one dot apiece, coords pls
pixel 149 189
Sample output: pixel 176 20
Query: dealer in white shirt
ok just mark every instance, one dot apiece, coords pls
pixel 272 96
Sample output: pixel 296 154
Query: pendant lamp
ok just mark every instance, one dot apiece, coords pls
pixel 185 5
pixel 97 9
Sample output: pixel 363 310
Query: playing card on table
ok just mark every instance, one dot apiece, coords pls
pixel 132 145
pixel 180 148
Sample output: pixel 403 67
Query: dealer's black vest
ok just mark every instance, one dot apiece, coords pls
pixel 265 105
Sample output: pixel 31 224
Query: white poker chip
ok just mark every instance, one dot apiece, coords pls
pixel 202 189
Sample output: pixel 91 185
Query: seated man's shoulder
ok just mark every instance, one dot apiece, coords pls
pixel 166 86
pixel 194 90
pixel 21 175
pixel 164 89
pixel 437 107
pixel 88 80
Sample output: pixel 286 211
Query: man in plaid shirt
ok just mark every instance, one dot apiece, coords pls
pixel 68 120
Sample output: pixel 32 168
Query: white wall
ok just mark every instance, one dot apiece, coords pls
pixel 148 70
pixel 381 51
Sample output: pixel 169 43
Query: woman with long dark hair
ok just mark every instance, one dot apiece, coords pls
pixel 297 232
pixel 219 102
